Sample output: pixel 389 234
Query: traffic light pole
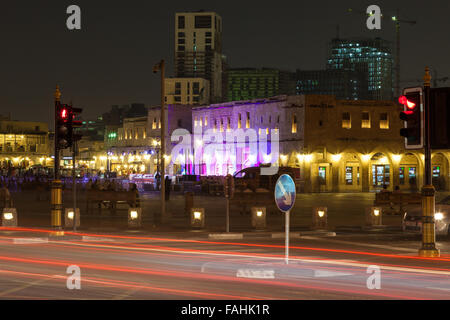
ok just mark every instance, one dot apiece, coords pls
pixel 74 186
pixel 56 195
pixel 428 248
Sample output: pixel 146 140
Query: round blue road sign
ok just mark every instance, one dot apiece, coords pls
pixel 285 193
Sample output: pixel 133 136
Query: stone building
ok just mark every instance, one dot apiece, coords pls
pixel 339 145
pixel 24 143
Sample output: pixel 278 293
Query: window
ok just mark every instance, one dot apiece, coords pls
pixel 221 125
pixel 322 175
pixel 177 87
pixel 401 175
pixel 348 175
pixel 294 123
pixel 412 175
pixel 181 34
pixel 181 22
pixel 154 124
pixel 180 48
pixel 384 121
pixel 208 34
pixel 206 121
pixel 195 122
pixel 346 120
pixel 228 124
pixel 247 122
pixel 177 99
pixel 179 123
pixel 196 88
pixel 239 121
pixel 202 22
pixel 365 120
pixel 181 41
pixel 215 125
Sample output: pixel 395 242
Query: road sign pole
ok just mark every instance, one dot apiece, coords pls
pixel 287 238
pixel 228 215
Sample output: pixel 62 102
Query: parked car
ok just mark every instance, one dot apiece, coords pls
pixel 251 178
pixel 412 219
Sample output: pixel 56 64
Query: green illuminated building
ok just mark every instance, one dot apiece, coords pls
pixel 252 83
pixel 373 57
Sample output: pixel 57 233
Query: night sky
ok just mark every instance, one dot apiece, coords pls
pixel 110 60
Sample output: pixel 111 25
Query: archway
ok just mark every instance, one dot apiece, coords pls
pixel 380 171
pixel 439 171
pixel 409 174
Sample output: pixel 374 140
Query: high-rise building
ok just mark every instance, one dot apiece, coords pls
pixel 252 83
pixel 198 48
pixel 373 57
pixel 344 84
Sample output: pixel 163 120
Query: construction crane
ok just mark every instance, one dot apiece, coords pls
pixel 397 21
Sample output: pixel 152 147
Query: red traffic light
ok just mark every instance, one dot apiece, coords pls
pixel 409 104
pixel 64 114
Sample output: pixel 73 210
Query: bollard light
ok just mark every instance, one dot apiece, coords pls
pixel 69 217
pixel 374 216
pixel 258 217
pixel 198 217
pixel 134 217
pixel 320 218
pixel 9 217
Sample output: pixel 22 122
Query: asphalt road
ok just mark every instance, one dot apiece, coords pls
pixel 159 267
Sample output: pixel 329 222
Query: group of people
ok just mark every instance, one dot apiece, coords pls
pixel 106 185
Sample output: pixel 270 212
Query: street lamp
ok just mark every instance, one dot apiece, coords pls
pixel 161 67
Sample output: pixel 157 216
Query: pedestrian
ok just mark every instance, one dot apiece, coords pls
pixel 134 189
pixel 168 185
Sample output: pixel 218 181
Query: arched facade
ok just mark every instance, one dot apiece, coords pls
pixel 352 171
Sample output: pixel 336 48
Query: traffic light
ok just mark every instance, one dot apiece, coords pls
pixel 413 115
pixel 63 126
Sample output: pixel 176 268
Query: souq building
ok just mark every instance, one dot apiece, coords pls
pixel 339 145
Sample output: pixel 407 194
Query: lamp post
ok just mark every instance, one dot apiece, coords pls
pixel 56 194
pixel 428 248
pixel 161 67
